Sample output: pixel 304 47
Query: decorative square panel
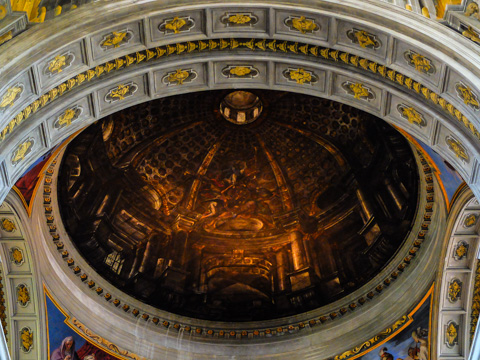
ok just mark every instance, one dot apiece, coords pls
pixel 61 65
pixel 175 79
pixel 357 91
pixel 122 93
pixel 302 25
pixel 415 62
pixel 16 262
pixel 108 44
pixel 307 78
pixel 245 72
pixel 9 228
pixel 181 26
pixel 363 40
pixel 452 334
pixel 462 94
pixel 27 339
pixel 23 295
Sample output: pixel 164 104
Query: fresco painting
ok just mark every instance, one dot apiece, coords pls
pixel 411 341
pixel 63 342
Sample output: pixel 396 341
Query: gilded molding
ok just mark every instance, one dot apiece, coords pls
pixel 377 338
pixel 475 303
pixel 229 44
pixel 98 339
pixel 247 333
pixel 3 305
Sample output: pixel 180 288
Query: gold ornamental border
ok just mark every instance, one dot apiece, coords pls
pixel 290 47
pixel 475 303
pixel 242 333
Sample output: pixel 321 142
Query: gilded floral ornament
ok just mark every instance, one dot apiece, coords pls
pixel 472 10
pixel 358 91
pixel 454 290
pixel 176 25
pixel 26 336
pixel 364 39
pixel 179 77
pixel 470 220
pixel 59 63
pixel 116 39
pixel 120 92
pixel 419 62
pixel 243 72
pixel 413 116
pixel 471 34
pixel 16 256
pixel 8 225
pixel 22 151
pixel 5 37
pixel 67 117
pixel 11 96
pixel 457 148
pixel 239 19
pixel 23 295
pixel 300 76
pixel 301 24
pixel 451 334
pixel 467 95
pixel 461 250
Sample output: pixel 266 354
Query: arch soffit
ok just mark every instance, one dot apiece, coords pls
pixel 79 67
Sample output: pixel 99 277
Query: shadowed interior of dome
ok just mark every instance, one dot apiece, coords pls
pixel 207 218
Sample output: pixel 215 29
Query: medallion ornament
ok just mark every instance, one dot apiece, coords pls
pixel 26 336
pixel 300 76
pixel 239 19
pixel 116 39
pixel 358 91
pixel 461 251
pixel 457 148
pixel 69 116
pixel 12 95
pixel 451 334
pixel 467 95
pixel 454 290
pixel 176 25
pixel 413 116
pixel 16 256
pixel 179 77
pixel 419 62
pixel 243 72
pixel 23 295
pixel 470 220
pixel 8 225
pixel 59 63
pixel 301 24
pixel 364 39
pixel 22 151
pixel 120 92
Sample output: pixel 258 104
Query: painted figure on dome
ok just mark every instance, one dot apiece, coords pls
pixel 66 351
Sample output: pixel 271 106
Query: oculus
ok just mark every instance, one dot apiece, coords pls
pixel 176 25
pixel 364 39
pixel 241 108
pixel 301 24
